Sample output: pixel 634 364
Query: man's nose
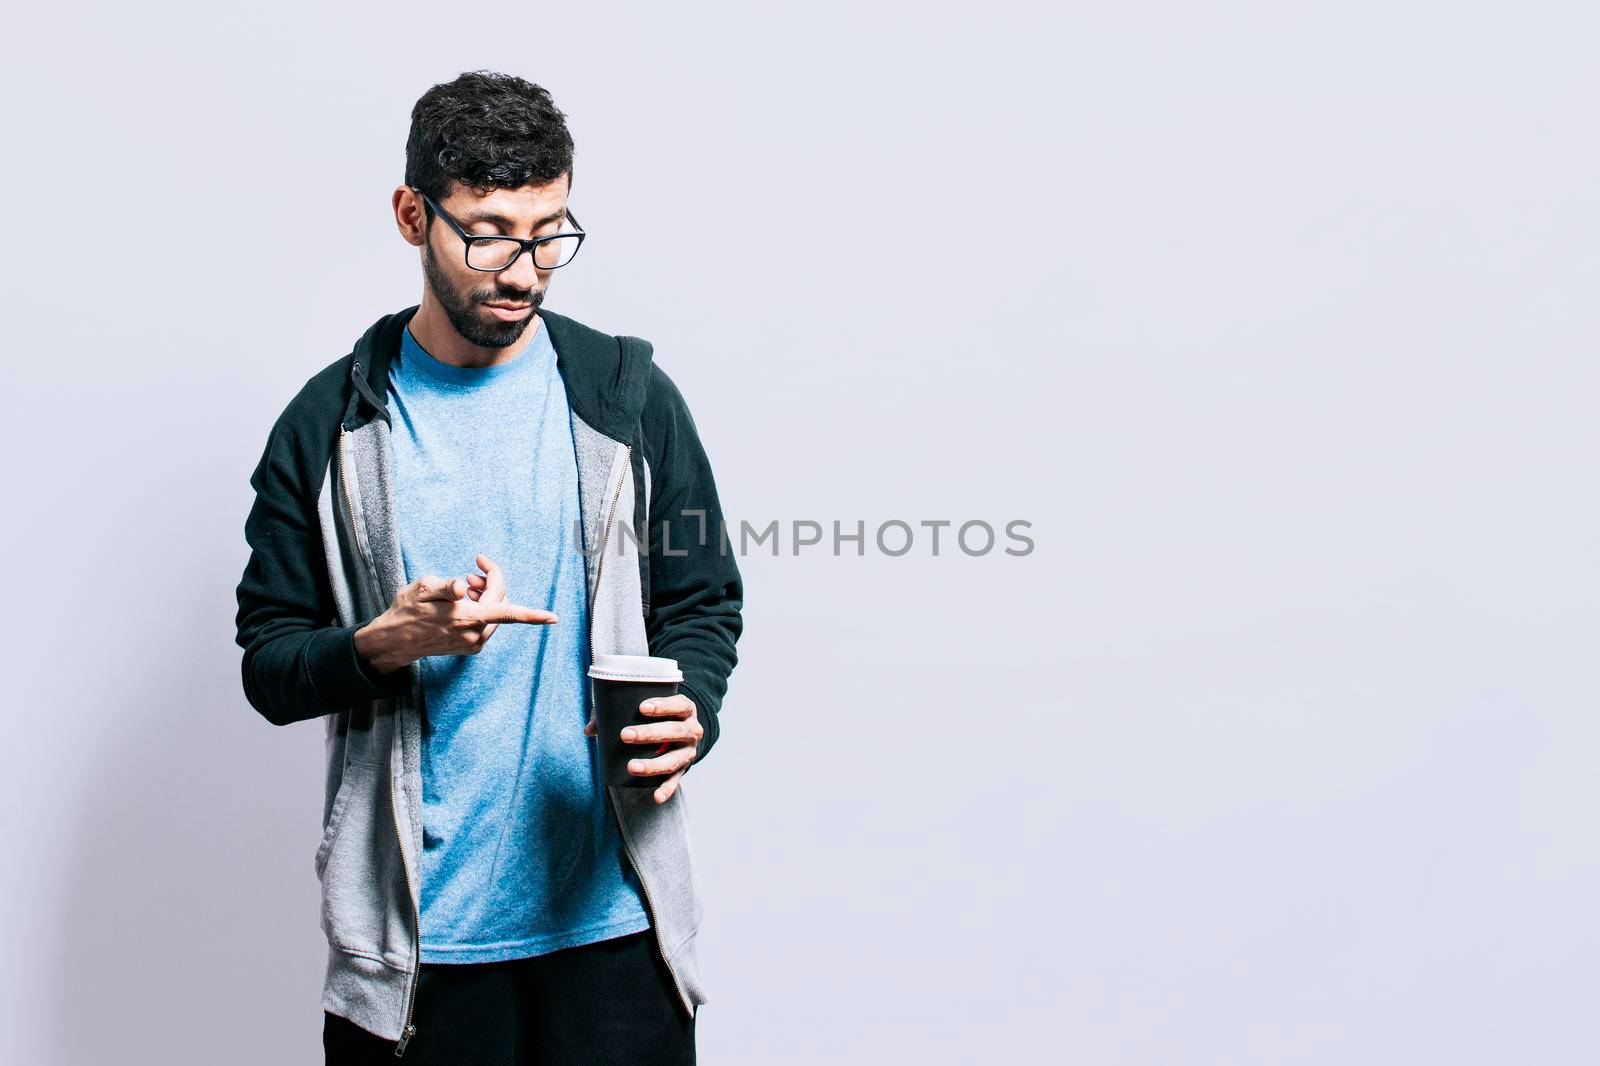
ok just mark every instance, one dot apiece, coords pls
pixel 521 274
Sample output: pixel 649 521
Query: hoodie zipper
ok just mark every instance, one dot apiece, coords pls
pixel 627 841
pixel 407 1030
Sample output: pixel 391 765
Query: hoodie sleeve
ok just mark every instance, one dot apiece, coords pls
pixel 298 662
pixel 696 592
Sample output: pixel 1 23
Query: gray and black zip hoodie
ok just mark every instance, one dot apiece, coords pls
pixel 325 559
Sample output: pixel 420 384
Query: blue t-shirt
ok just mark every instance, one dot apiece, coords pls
pixel 521 853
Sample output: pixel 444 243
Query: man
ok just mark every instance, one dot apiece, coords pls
pixel 449 523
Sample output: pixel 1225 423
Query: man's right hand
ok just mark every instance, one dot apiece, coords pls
pixel 435 616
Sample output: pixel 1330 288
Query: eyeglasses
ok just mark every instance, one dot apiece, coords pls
pixel 495 253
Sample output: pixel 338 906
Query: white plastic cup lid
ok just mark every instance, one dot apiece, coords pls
pixel 634 668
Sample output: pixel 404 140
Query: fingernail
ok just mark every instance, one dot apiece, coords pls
pixel 628 734
pixel 635 765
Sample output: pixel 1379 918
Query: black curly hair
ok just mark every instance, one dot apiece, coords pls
pixel 487 131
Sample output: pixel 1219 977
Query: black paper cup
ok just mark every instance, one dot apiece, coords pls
pixel 620 684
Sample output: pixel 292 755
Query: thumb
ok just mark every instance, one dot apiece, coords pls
pixel 438 588
pixel 589 729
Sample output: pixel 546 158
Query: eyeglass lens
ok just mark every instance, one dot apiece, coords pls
pixel 497 254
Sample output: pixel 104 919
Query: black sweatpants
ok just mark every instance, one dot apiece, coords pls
pixel 609 1002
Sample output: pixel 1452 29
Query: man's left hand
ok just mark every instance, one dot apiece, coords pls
pixel 676 739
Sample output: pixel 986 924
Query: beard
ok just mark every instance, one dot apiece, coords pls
pixel 463 310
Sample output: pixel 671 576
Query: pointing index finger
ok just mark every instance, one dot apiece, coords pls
pixel 506 611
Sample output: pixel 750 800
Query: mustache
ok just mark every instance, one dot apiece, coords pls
pixel 531 296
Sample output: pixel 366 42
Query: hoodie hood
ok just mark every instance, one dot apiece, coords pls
pixel 606 376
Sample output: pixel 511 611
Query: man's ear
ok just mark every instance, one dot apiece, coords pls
pixel 409 216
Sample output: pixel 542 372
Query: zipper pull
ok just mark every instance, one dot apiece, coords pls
pixel 405 1038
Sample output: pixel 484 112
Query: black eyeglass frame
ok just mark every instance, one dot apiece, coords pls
pixel 528 244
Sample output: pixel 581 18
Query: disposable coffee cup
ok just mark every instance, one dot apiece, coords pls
pixel 621 683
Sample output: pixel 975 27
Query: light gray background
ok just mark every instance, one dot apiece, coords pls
pixel 1276 320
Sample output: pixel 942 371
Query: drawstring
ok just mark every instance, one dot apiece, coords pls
pixel 366 391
